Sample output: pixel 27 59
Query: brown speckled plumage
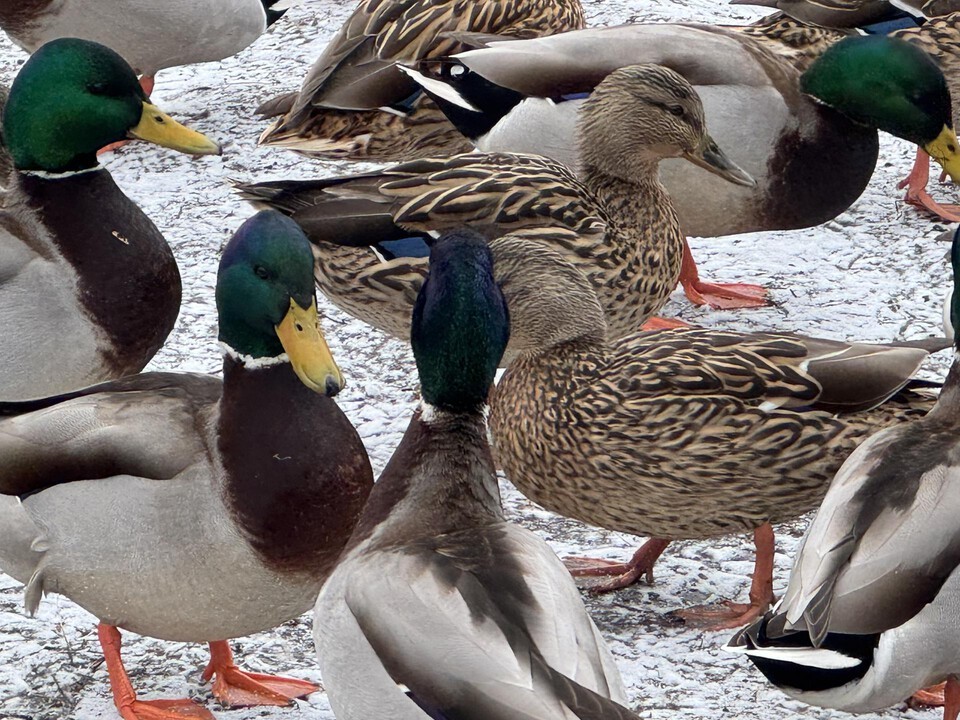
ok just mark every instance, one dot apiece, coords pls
pixel 616 223
pixel 796 42
pixel 335 114
pixel 672 434
pixel 18 17
pixel 940 36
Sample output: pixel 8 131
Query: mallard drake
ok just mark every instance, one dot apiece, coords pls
pixel 440 608
pixel 89 289
pixel 871 610
pixel 355 104
pixel 933 27
pixel 683 433
pixel 527 95
pixel 157 505
pixel 151 36
pixel 617 223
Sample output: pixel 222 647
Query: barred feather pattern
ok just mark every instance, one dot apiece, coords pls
pixel 791 40
pixel 19 18
pixel 940 37
pixel 662 434
pixel 367 134
pixel 411 30
pixel 404 31
pixel 625 237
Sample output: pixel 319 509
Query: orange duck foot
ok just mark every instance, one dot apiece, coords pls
pixel 723 296
pixel 111 147
pixel 933 696
pixel 733 615
pixel 922 199
pixel 727 616
pixel 237 688
pixel 125 698
pixel 917 195
pixel 661 323
pixel 726 296
pixel 620 575
pixel 164 710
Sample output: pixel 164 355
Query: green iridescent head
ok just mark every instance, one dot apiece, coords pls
pixel 72 98
pixel 892 85
pixel 460 324
pixel 266 301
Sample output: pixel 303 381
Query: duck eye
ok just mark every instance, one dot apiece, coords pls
pixel 97 88
pixel 261 272
pixel 676 110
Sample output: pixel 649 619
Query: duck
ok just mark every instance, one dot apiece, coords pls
pixel 931 26
pixel 439 607
pixel 617 222
pixel 354 104
pixel 783 127
pixel 149 36
pixel 155 504
pixel 89 288
pixel 682 433
pixel 871 610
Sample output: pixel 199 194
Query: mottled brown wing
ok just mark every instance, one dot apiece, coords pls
pixel 493 192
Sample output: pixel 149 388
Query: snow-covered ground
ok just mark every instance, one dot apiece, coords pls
pixel 878 272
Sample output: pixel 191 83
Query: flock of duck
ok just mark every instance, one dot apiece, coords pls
pixel 549 176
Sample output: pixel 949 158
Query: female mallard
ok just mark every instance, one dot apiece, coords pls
pixel 617 223
pixel 872 610
pixel 151 36
pixel 89 289
pixel 675 434
pixel 356 104
pixel 440 608
pixel 157 505
pixel 810 141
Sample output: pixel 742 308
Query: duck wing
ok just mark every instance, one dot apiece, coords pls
pixel 885 538
pixel 485 623
pixel 148 426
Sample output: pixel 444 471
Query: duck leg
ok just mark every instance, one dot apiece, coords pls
pixel 717 295
pixel 734 615
pixel 623 574
pixel 951 696
pixel 917 195
pixel 124 696
pixel 946 694
pixel 236 687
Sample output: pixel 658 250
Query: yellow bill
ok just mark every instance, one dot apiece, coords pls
pixel 946 150
pixel 300 335
pixel 159 128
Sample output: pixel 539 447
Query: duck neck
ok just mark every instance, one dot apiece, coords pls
pixel 123 264
pixel 295 472
pixel 440 479
pixel 648 246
